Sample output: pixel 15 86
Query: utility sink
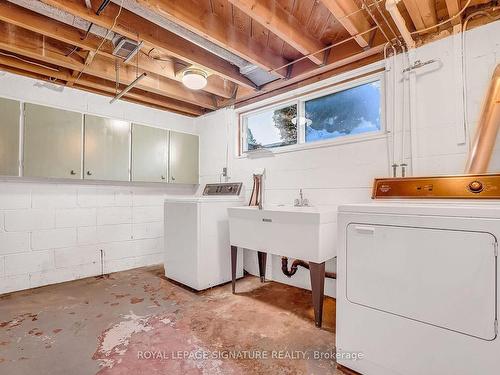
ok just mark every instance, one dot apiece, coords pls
pixel 307 233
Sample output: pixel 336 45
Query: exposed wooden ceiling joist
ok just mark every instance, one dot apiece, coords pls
pixel 307 81
pixel 27 19
pixel 208 25
pixel 453 7
pixel 136 28
pixel 349 15
pixel 271 15
pixel 27 43
pixel 61 76
pixel 349 54
pixel 108 88
pixel 422 12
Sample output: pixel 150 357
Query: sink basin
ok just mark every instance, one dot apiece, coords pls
pixel 307 233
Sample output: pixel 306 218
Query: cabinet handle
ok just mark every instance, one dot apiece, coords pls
pixel 173 178
pixel 89 173
pixel 162 177
pixel 72 172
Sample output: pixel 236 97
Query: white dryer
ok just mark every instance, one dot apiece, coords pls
pixel 417 286
pixel 197 249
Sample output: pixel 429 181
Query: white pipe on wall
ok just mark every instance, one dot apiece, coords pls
pixel 392 8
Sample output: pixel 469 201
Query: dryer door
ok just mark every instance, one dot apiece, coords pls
pixel 446 278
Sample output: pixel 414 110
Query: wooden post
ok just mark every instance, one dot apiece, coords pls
pixel 234 259
pixel 262 257
pixel 317 271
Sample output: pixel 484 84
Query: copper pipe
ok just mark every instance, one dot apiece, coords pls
pixel 487 129
pixel 381 12
pixel 256 196
pixel 372 16
pixel 295 265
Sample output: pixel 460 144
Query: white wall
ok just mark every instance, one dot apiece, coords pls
pixel 51 232
pixel 344 173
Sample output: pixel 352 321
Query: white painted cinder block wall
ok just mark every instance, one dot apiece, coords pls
pixel 51 233
pixel 344 173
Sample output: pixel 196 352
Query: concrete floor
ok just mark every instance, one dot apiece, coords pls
pixel 137 322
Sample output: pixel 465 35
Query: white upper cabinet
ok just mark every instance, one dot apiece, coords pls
pixel 183 158
pixel 52 142
pixel 9 137
pixel 56 143
pixel 107 149
pixel 149 154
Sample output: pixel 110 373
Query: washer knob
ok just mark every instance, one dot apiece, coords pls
pixel 476 187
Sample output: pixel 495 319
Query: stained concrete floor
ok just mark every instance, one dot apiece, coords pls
pixel 137 322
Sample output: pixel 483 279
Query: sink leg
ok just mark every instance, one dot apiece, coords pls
pixel 317 271
pixel 234 259
pixel 262 257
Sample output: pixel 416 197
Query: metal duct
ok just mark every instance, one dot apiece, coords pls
pixel 487 129
pixel 256 74
pixel 61 16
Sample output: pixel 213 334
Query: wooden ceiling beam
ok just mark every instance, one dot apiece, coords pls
pixel 208 25
pixel 108 88
pixel 33 21
pixel 453 7
pixel 59 77
pixel 348 14
pixel 422 12
pixel 24 42
pixel 136 28
pixel 351 53
pixel 275 18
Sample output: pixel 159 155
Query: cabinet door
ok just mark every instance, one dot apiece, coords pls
pixel 52 142
pixel 107 149
pixel 183 158
pixel 149 154
pixel 9 137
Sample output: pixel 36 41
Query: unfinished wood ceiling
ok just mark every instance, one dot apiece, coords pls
pixel 281 42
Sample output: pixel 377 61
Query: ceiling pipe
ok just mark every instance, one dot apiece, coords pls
pixel 392 8
pixel 103 6
pixel 487 129
pixel 128 88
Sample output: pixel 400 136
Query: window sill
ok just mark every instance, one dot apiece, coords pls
pixel 269 152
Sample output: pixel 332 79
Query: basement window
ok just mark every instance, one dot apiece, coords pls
pixel 327 116
pixel 272 127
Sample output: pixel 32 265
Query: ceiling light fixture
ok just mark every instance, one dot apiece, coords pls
pixel 194 79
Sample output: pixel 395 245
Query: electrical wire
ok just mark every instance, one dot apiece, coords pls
pixel 110 30
pixel 443 22
pixel 362 9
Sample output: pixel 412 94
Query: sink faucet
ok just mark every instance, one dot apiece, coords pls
pixel 301 202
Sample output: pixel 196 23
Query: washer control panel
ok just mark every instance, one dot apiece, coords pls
pixel 485 186
pixel 231 188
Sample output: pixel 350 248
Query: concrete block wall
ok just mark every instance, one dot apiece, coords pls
pixel 343 173
pixel 52 233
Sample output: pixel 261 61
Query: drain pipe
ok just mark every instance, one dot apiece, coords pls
pixel 295 265
pixel 392 8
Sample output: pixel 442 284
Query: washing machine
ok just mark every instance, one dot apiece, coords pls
pixel 197 249
pixel 417 278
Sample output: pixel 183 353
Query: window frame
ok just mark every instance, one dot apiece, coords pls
pixel 300 100
pixel 244 124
